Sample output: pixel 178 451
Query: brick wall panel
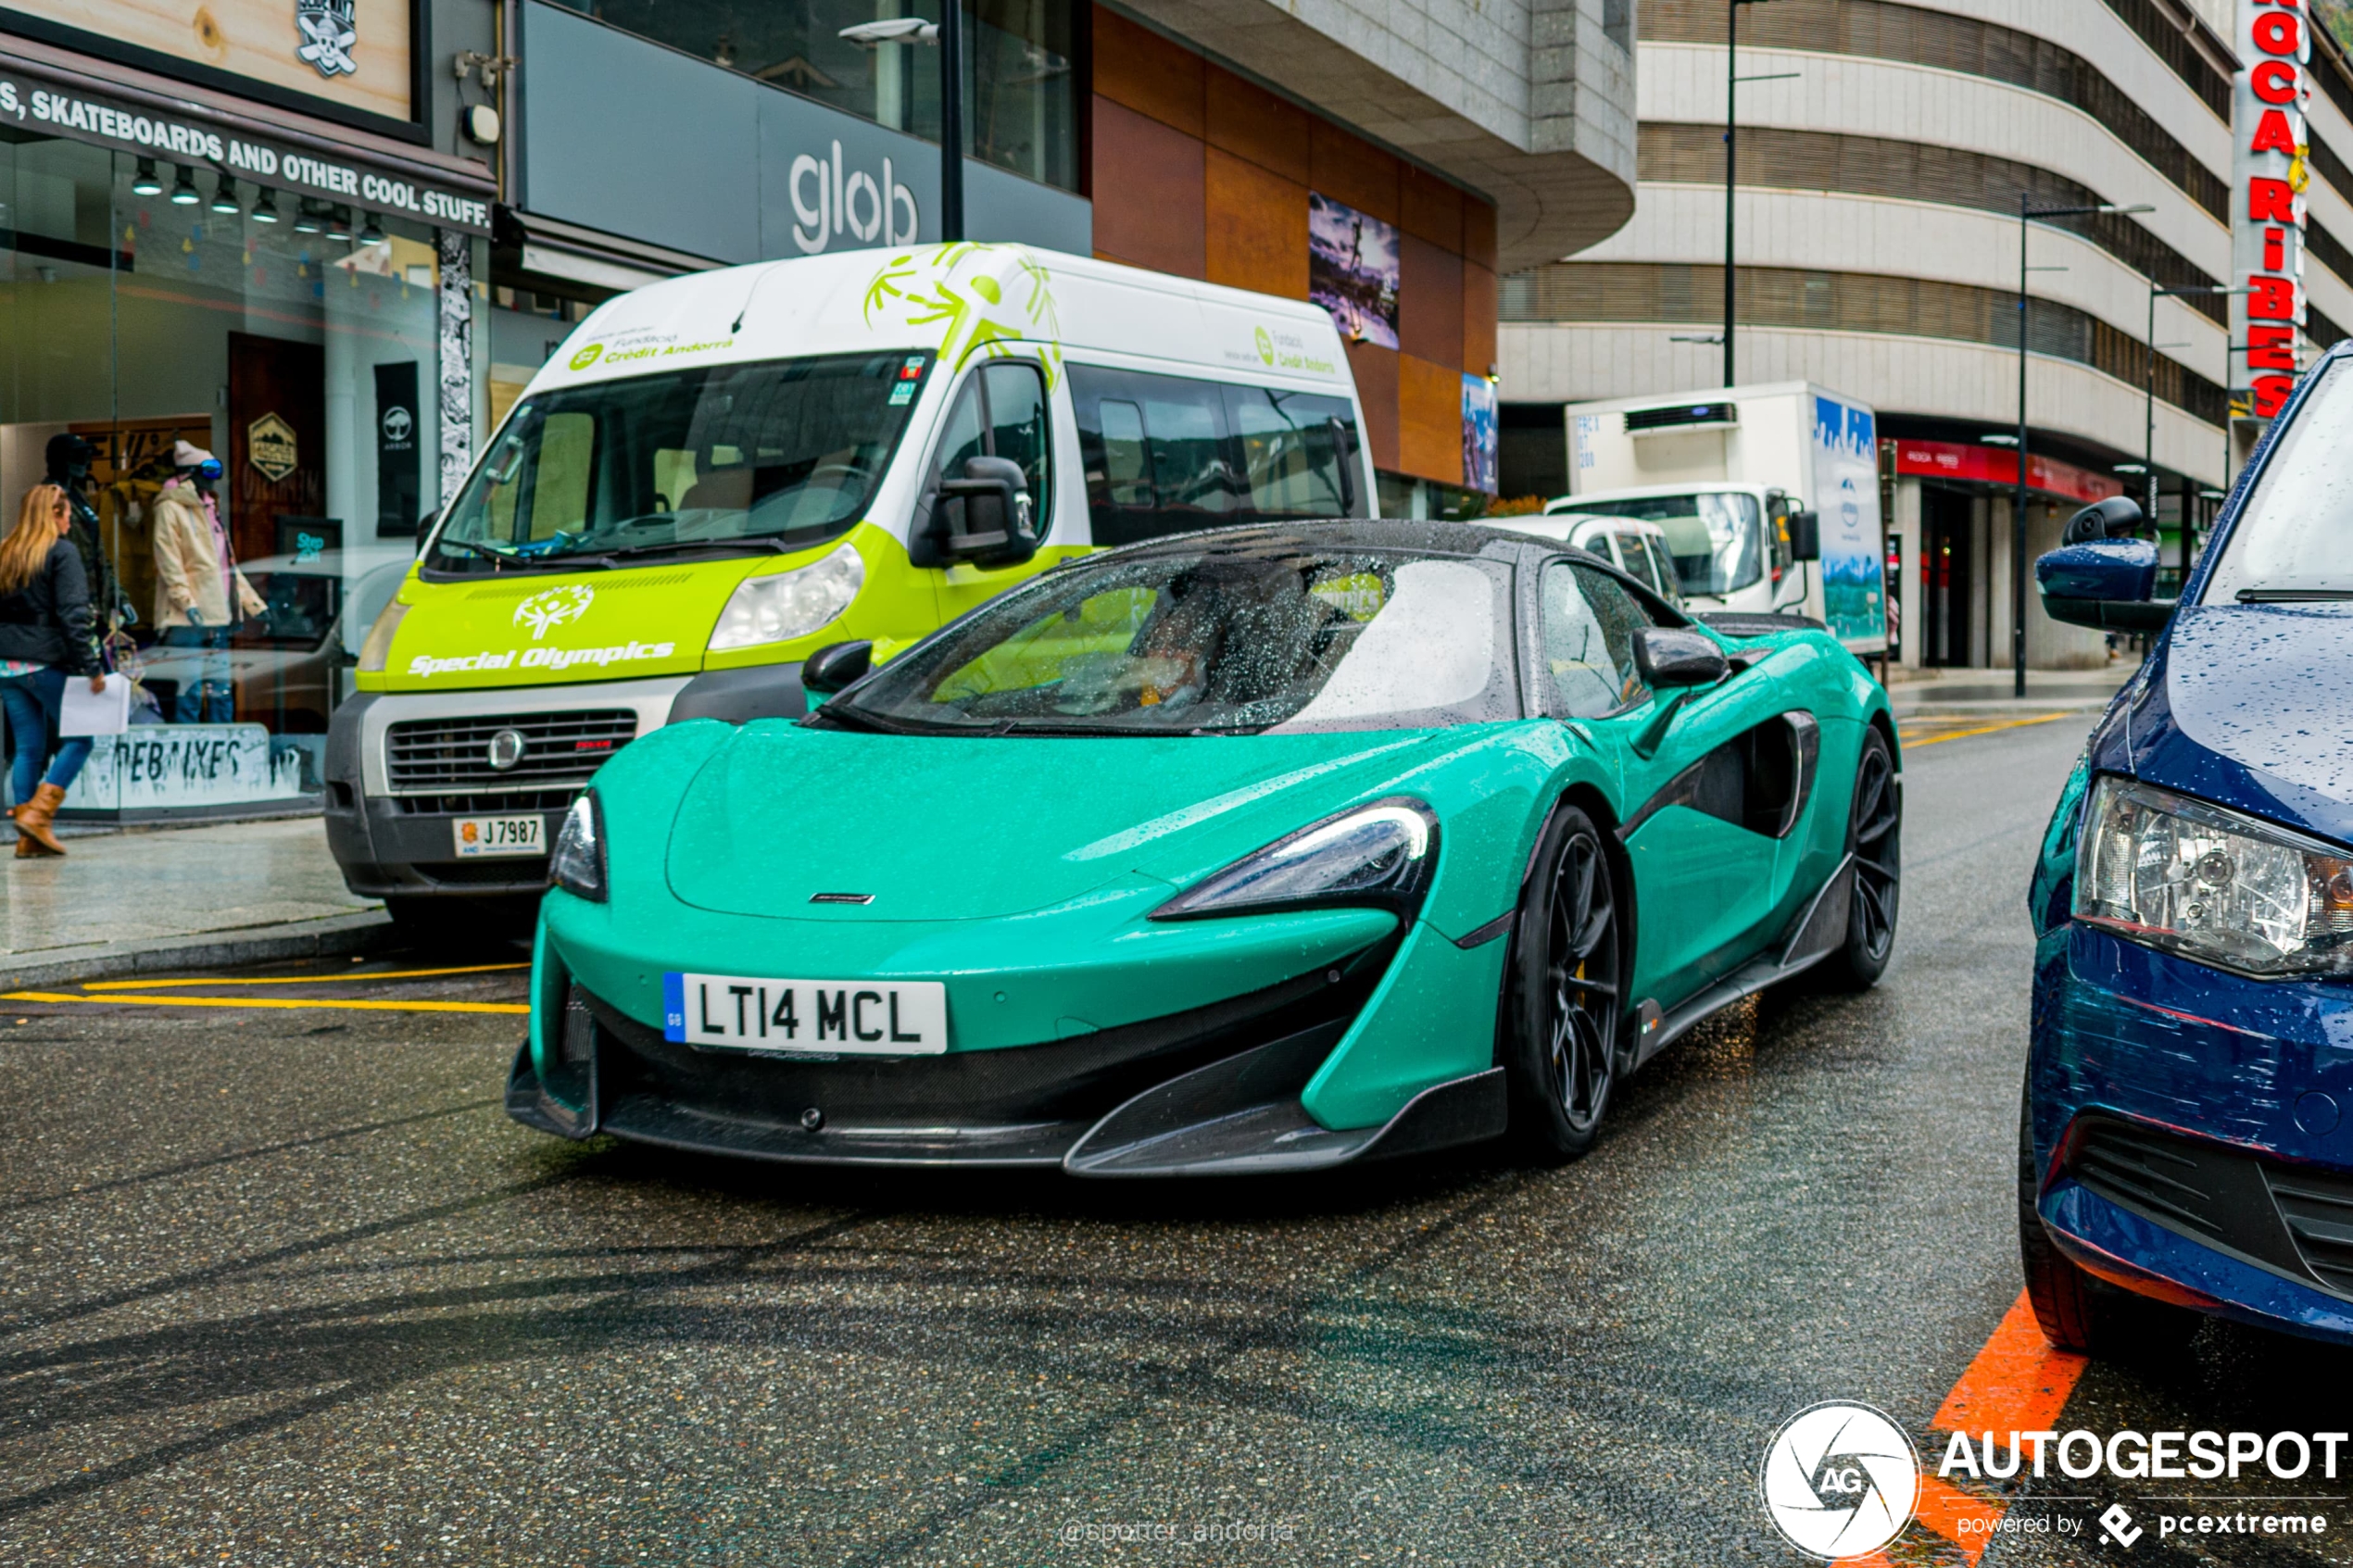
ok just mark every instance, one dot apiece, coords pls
pixel 1249 122
pixel 1430 420
pixel 1257 228
pixel 1137 67
pixel 1429 301
pixel 1150 192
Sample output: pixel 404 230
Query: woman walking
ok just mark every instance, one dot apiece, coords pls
pixel 45 635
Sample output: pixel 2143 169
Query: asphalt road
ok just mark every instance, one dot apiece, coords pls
pixel 282 1285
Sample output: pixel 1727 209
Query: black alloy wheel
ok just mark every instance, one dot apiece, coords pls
pixel 1875 839
pixel 1567 1036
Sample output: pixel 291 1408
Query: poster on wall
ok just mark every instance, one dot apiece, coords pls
pixel 1479 442
pixel 1845 460
pixel 351 54
pixel 398 449
pixel 1353 270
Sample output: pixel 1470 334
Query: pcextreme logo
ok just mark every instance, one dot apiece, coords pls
pixel 544 613
pixel 586 357
pixel 1840 1480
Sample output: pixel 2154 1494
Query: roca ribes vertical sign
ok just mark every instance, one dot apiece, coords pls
pixel 2267 200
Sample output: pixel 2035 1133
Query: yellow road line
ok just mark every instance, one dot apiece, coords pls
pixel 291 1003
pixel 1985 730
pixel 345 979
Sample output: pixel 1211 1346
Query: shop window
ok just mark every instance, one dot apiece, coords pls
pixel 1020 95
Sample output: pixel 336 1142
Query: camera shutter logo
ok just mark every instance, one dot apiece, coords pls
pixel 1841 1480
pixel 330 31
pixel 544 613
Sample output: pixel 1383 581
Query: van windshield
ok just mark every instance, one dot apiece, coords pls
pixel 1717 536
pixel 785 452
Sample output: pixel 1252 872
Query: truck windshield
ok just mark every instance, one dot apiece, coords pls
pixel 787 451
pixel 1718 536
pixel 2291 542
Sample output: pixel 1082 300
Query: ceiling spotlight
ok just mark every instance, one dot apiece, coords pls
pixel 145 183
pixel 184 190
pixel 306 216
pixel 224 197
pixel 1999 440
pixel 371 232
pixel 338 222
pixel 265 206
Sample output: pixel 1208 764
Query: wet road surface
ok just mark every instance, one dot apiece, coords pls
pixel 280 1284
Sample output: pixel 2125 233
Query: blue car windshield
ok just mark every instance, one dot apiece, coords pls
pixel 1218 641
pixel 2294 535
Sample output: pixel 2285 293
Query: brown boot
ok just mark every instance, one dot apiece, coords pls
pixel 33 836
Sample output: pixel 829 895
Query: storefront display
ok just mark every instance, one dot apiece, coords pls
pixel 168 288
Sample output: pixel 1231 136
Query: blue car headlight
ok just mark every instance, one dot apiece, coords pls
pixel 2212 885
pixel 577 863
pixel 1378 854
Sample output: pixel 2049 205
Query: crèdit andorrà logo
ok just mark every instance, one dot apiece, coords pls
pixel 544 613
pixel 1266 346
pixel 1840 1480
pixel 586 357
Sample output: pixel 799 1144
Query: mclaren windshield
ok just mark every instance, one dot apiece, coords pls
pixel 778 455
pixel 1277 635
pixel 2294 542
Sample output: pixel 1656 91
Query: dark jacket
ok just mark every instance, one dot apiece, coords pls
pixel 47 621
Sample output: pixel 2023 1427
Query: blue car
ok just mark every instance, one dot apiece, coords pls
pixel 2185 1147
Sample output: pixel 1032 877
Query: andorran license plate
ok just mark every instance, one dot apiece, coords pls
pixel 501 836
pixel 847 1017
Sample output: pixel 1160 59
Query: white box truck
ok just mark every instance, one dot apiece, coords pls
pixel 1768 494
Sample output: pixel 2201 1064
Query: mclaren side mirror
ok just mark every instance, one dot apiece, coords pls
pixel 1669 657
pixel 986 517
pixel 835 666
pixel 2102 583
pixel 1805 535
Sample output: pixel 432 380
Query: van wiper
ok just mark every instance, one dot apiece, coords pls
pixel 2290 595
pixel 752 543
pixel 488 552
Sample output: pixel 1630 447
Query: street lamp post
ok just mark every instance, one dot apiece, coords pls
pixel 948 33
pixel 1733 79
pixel 2026 214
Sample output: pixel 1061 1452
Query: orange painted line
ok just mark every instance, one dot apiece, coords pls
pixel 349 977
pixel 1945 1508
pixel 1911 741
pixel 2017 1383
pixel 289 1004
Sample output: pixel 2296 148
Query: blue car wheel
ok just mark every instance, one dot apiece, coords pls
pixel 2076 1310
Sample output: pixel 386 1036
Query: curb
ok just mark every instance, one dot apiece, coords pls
pixel 329 937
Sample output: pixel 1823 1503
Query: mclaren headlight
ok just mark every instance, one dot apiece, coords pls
pixel 577 864
pixel 2211 884
pixel 790 604
pixel 1378 854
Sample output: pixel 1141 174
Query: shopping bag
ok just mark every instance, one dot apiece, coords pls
pixel 85 712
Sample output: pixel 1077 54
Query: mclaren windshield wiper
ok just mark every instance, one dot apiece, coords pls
pixel 2291 595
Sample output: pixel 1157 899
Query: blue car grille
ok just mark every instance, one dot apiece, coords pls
pixel 2294 1219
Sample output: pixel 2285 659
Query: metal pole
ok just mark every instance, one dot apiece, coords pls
pixel 2148 431
pixel 1731 86
pixel 951 122
pixel 2018 506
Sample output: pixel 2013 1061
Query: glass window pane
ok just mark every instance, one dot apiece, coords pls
pixel 1588 625
pixel 1124 455
pixel 1185 426
pixel 1293 457
pixel 1018 423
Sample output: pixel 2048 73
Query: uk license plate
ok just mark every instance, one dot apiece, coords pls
pixel 501 836
pixel 844 1017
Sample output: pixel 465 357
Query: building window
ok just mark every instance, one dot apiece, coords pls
pixel 1021 96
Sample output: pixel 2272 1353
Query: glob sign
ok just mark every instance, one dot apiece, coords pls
pixel 2270 171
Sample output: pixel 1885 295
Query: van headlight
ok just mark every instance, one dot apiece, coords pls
pixel 1378 854
pixel 376 651
pixel 2212 885
pixel 577 863
pixel 790 604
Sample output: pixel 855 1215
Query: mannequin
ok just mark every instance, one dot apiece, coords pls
pixel 200 589
pixel 69 457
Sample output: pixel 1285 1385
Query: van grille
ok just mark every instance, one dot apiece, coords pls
pixel 452 756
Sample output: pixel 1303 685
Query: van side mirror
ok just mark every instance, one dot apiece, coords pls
pixel 835 666
pixel 1805 535
pixel 986 517
pixel 2103 583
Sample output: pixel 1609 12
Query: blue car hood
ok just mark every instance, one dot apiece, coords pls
pixel 2252 707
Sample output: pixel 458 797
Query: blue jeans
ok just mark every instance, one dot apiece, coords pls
pixel 208 699
pixel 33 703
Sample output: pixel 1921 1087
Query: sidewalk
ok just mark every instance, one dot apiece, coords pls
pixel 174 898
pixel 1925 694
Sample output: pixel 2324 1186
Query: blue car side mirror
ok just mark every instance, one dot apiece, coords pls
pixel 2106 584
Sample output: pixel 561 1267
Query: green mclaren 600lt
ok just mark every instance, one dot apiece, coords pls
pixel 1262 849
